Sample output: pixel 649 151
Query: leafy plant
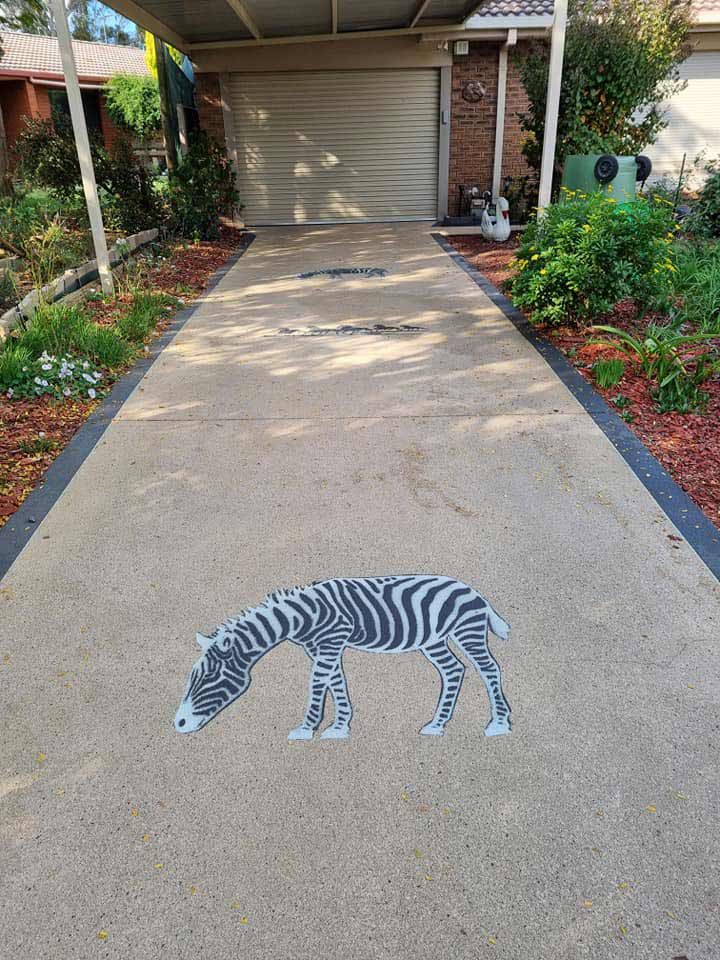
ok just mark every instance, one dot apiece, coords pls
pixel 133 103
pixel 60 329
pixel 48 156
pixel 698 284
pixel 659 354
pixel 130 200
pixel 705 218
pixel 47 375
pixel 608 372
pixel 620 65
pixel 201 190
pixel 146 310
pixel 588 253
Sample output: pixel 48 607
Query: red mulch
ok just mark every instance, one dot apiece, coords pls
pixel 185 275
pixel 686 444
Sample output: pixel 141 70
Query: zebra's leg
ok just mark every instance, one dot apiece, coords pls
pixel 486 665
pixel 323 668
pixel 340 727
pixel 451 672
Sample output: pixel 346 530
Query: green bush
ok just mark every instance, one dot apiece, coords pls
pixel 130 202
pixel 48 157
pixel 698 283
pixel 705 218
pixel 201 190
pixel 588 253
pixel 134 103
pixel 59 330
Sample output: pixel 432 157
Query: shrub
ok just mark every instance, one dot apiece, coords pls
pixel 588 253
pixel 130 201
pixel 201 190
pixel 608 373
pixel 134 103
pixel 705 218
pixel 60 330
pixel 48 156
pixel 698 284
pixel 621 60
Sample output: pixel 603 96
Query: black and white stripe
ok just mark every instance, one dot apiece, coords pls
pixel 375 614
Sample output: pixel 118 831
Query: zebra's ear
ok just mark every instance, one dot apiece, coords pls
pixel 203 642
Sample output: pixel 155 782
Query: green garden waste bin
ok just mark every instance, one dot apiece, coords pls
pixel 601 173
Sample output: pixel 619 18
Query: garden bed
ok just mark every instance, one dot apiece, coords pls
pixel 686 444
pixel 33 431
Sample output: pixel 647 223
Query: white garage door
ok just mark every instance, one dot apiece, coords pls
pixel 693 116
pixel 337 145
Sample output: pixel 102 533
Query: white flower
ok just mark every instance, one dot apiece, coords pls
pixel 90 379
pixel 85 364
pixel 91 393
pixel 44 383
pixel 38 381
pixel 10 393
pixel 97 375
pixel 47 366
pixel 24 369
pixel 66 392
pixel 41 433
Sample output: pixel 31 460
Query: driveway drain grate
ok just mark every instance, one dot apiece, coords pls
pixel 336 273
pixel 378 329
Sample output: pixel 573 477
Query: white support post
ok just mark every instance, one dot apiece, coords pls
pixel 557 54
pixel 82 143
pixel 500 112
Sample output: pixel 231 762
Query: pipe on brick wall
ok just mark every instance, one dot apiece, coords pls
pixel 510 41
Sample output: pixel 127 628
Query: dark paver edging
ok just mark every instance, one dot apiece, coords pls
pixel 702 535
pixel 20 527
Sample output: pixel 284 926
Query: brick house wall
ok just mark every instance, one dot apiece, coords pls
pixel 209 102
pixel 20 99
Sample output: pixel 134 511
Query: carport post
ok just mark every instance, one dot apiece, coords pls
pixel 552 107
pixel 82 143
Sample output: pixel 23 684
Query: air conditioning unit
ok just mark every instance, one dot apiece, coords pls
pixel 461 48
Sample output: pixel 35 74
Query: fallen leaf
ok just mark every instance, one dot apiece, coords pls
pixel 103 935
pixel 595 850
pixel 680 796
pixel 158 866
pixel 404 796
pixel 418 854
pixel 423 808
pixel 623 930
pixel 193 891
pixel 134 812
pixel 492 940
pixel 587 904
pixel 624 885
pixel 146 837
pixel 244 920
pixel 651 808
pixel 600 813
pixel 670 914
pixel 428 877
pixel 40 758
pixel 60 792
pixel 235 905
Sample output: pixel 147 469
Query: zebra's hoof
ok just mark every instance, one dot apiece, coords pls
pixel 497 727
pixel 301 733
pixel 432 730
pixel 335 733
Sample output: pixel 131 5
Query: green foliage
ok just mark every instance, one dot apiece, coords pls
pixel 697 282
pixel 608 373
pixel 60 329
pixel 588 253
pixel 130 202
pixel 134 103
pixel 201 190
pixel 12 360
pixel 48 158
pixel 146 310
pixel 705 219
pixel 661 355
pixel 621 60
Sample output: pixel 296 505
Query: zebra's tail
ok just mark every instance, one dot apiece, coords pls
pixel 498 626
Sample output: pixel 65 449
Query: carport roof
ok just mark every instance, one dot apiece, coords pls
pixel 186 23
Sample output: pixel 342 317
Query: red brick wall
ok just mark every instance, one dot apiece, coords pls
pixel 207 90
pixel 18 101
pixel 514 163
pixel 472 129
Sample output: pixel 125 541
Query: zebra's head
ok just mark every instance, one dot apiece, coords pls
pixel 221 675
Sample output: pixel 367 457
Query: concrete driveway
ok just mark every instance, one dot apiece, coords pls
pixel 251 458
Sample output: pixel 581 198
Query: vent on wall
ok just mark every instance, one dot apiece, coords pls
pixel 461 48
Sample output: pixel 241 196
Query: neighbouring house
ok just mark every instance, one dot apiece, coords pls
pixel 32 83
pixel 694 114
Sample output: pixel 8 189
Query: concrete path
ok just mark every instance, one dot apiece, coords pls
pixel 250 459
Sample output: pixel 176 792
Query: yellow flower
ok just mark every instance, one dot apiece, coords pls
pixel 543 272
pixel 535 256
pixel 587 228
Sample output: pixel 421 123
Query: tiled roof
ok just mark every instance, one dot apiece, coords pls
pixel 537 8
pixel 516 8
pixel 32 54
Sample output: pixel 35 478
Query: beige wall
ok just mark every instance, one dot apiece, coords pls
pixel 326 55
pixel 705 41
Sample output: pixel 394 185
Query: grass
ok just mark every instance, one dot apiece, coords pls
pixel 142 317
pixel 12 359
pixel 61 330
pixel 698 283
pixel 608 372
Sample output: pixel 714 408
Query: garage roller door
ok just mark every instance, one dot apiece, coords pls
pixel 336 146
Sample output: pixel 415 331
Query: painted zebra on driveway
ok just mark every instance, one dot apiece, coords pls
pixel 376 614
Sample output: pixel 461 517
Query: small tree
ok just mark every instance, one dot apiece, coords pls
pixel 621 59
pixel 134 104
